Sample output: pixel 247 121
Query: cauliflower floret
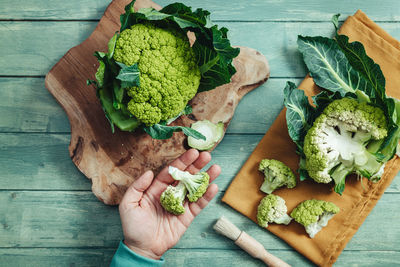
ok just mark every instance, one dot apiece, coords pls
pixel 196 184
pixel 172 199
pixel 272 209
pixel 337 143
pixel 169 74
pixel 314 214
pixel 277 174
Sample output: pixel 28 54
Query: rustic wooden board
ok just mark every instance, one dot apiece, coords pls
pixel 113 161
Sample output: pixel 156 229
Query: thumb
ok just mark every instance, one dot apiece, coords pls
pixel 135 192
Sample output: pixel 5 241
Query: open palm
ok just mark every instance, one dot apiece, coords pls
pixel 150 230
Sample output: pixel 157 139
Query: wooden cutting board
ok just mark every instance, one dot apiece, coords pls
pixel 113 161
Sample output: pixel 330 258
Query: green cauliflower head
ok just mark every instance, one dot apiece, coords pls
pixel 196 184
pixel 337 143
pixel 314 214
pixel 172 199
pixel 169 74
pixel 272 209
pixel 277 174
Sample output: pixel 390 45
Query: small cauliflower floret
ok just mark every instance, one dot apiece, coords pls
pixel 338 142
pixel 277 174
pixel 314 214
pixel 173 197
pixel 169 74
pixel 272 209
pixel 196 184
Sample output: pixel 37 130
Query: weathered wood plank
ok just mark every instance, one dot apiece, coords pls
pixel 48 41
pixel 26 106
pixel 180 257
pixel 38 257
pixel 254 115
pixel 41 162
pixel 78 219
pixel 313 10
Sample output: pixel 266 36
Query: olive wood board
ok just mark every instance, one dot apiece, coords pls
pixel 113 160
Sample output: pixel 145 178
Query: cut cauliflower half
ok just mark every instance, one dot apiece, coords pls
pixel 169 74
pixel 338 142
pixel 272 209
pixel 314 214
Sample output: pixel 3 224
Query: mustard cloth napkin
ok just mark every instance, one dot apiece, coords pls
pixel 357 201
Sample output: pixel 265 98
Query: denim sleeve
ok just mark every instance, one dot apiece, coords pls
pixel 125 257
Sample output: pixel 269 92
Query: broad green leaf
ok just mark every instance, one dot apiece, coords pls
pixel 159 131
pixel 299 113
pixel 129 75
pixel 329 66
pixel 111 46
pixel 361 62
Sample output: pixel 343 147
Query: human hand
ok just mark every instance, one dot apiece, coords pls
pixel 148 229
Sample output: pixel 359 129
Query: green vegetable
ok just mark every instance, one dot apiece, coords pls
pixel 314 215
pixel 196 184
pixel 172 199
pixel 212 132
pixel 272 209
pixel 151 71
pixel 352 126
pixel 277 174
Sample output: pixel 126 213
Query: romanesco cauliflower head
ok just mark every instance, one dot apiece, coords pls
pixel 272 209
pixel 277 174
pixel 314 214
pixel 337 143
pixel 172 199
pixel 169 74
pixel 196 184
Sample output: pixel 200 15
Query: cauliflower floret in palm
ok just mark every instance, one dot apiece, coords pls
pixel 196 184
pixel 173 197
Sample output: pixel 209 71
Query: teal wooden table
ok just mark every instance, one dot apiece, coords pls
pixel 48 215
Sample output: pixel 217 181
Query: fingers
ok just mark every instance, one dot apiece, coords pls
pixel 213 172
pixel 135 191
pixel 203 159
pixel 185 160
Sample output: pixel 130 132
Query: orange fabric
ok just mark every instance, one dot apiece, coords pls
pixel 357 201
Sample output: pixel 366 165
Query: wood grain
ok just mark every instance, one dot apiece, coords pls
pixel 79 220
pixel 41 162
pixel 239 10
pixel 35 135
pixel 38 257
pixel 113 161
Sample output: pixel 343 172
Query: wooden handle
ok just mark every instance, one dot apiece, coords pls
pixel 255 249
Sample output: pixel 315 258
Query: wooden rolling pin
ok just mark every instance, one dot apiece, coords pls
pixel 247 243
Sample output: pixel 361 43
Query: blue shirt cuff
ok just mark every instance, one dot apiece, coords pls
pixel 126 257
